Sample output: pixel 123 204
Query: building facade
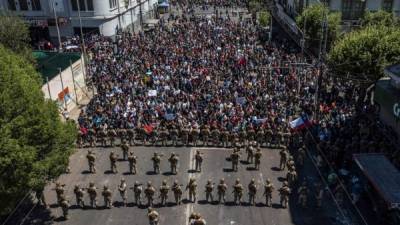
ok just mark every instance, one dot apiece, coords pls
pixel 351 9
pixel 96 16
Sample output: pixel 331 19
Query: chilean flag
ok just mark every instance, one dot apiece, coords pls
pixel 300 123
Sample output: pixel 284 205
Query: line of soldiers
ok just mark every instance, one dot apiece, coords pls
pixel 254 155
pixel 177 189
pixel 184 135
pixel 132 160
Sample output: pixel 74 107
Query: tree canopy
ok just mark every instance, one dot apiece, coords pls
pixel 34 143
pixel 14 34
pixel 263 18
pixel 364 53
pixel 312 18
pixel 379 18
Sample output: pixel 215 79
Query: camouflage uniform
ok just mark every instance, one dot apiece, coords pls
pixel 130 136
pixel 156 162
pixel 235 160
pixel 125 150
pixel 91 160
pixel 101 136
pixel 209 189
pixel 238 192
pixel 268 137
pixel 79 196
pixel 149 192
pixel 250 153
pixel 215 137
pixel 65 207
pixel 122 134
pixel 164 188
pixel 291 176
pixel 132 163
pixel 174 135
pixel 60 192
pixel 257 159
pixel 225 138
pixel 198 160
pixel 195 135
pixel 192 186
pixel 205 133
pixel 284 192
pixel 173 160
pixel 185 136
pixel 107 194
pixel 92 137
pixel 112 134
pixel 164 136
pixel 137 191
pixel 92 191
pixel 252 192
pixel 113 161
pixel 122 191
pixel 176 188
pixel 153 216
pixel 284 155
pixel 260 136
pixel 268 189
pixel 221 190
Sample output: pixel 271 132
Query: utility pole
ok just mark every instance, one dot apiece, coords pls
pixel 140 13
pixel 58 29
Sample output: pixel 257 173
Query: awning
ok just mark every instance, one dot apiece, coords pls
pixel 383 176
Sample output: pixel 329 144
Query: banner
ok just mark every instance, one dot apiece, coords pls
pixel 152 93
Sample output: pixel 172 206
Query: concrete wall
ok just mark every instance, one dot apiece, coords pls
pixel 54 87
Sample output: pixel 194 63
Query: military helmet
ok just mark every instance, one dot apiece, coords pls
pixel 155 153
pixel 105 187
pixel 285 183
pixel 122 179
pixel 268 180
pixel 164 182
pixel 222 180
pixel 90 151
pixel 237 180
pixel 173 154
pixel 112 152
pixel 252 180
pixel 91 183
pixel 175 181
pixel 58 184
pixel 148 183
pixel 77 186
pixel 209 181
pixel 136 182
pixel 150 209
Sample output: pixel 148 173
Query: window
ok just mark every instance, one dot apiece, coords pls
pixel 353 9
pixel 23 5
pixel 36 5
pixel 84 5
pixel 387 5
pixel 11 5
pixel 113 3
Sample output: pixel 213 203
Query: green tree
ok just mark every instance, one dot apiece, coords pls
pixel 263 18
pixel 379 18
pixel 365 53
pixel 34 143
pixel 14 34
pixel 312 19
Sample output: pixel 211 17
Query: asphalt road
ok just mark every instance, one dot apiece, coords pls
pixel 215 166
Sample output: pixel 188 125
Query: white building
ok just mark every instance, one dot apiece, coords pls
pixel 100 16
pixel 350 9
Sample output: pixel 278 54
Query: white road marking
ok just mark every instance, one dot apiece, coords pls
pixel 189 207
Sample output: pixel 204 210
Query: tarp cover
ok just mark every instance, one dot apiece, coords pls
pixel 383 175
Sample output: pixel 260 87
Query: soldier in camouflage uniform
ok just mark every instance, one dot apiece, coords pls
pixel 149 192
pixel 185 136
pixel 91 160
pixel 64 204
pixel 112 134
pixel 291 176
pixel 235 156
pixel 192 186
pixel 107 194
pixel 173 160
pixel 301 155
pixel 78 191
pixel 132 159
pixel 198 160
pixel 174 135
pixel 92 191
pixel 122 191
pixel 268 137
pixel 209 189
pixel 153 216
pixel 215 137
pixel 60 192
pixel 251 134
pixel 102 137
pixel 195 135
pixel 250 152
pixel 284 192
pixel 225 137
pixel 176 188
pixel 156 162
pixel 268 189
pixel 237 192
pixel 137 191
pixel 242 137
pixel 122 134
pixel 257 159
pixel 303 193
pixel 92 137
pixel 284 156
pixel 164 189
pixel 252 188
pixel 222 187
pixel 154 136
pixel 205 133
pixel 130 134
pixel 125 150
pixel 113 161
pixel 164 136
pixel 260 136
